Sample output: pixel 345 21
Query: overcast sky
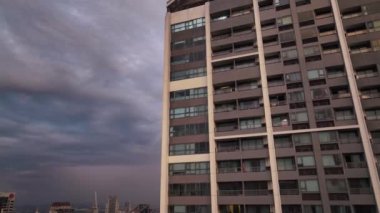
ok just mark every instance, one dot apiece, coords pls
pixel 80 99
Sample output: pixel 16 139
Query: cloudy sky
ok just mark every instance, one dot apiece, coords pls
pixel 80 90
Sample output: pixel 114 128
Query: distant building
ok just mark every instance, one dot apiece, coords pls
pixel 61 207
pixel 7 200
pixel 141 208
pixel 95 208
pixel 112 205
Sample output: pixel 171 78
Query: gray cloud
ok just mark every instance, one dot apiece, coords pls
pixel 80 90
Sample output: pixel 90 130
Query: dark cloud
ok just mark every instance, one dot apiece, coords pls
pixel 80 90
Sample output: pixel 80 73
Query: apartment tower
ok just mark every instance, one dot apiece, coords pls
pixel 271 106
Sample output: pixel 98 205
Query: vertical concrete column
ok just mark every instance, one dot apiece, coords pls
pixel 267 110
pixel 164 192
pixel 210 105
pixel 357 104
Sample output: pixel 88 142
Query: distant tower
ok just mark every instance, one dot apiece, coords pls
pixel 7 200
pixel 112 205
pixel 95 204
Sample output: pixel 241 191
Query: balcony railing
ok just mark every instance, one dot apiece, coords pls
pixel 228 148
pixel 341 95
pixel 255 169
pixel 256 192
pixel 289 191
pixel 229 170
pixel 360 190
pixel 231 192
pixel 356 165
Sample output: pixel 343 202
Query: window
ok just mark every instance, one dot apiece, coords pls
pixel 327 137
pixel 181 44
pixel 280 120
pixel 302 139
pixel 293 77
pixel 335 72
pixel 315 74
pixel 183 59
pixel 320 93
pixel 283 141
pixel 188 149
pixel 299 117
pixel 284 164
pixel 344 114
pixel 250 123
pixel 198 168
pixel 309 186
pixel 249 104
pixel 295 97
pixel 229 166
pixel 254 165
pixel 374 25
pixel 350 136
pixel 331 160
pixel 252 143
pixel 312 209
pixel 312 51
pixel 340 209
pixel 189 129
pixel 305 161
pixel 336 185
pixel 323 114
pixel 188 111
pixel 285 23
pixel 200 22
pixel 373 114
pixel 306 18
pixel 189 209
pixel 289 54
pixel 188 94
pixel 189 189
pixel 186 74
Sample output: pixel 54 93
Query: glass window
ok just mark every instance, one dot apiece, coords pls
pixel 285 164
pixel 188 149
pixel 312 209
pixel 250 123
pixel 198 168
pixel 189 129
pixel 309 186
pixel 306 161
pixel 299 117
pixel 188 25
pixel 336 185
pixel 283 21
pixel 252 143
pixel 295 97
pixel 340 209
pixel 289 54
pixel 316 74
pixel 188 111
pixel 186 74
pixel 331 160
pixel 320 93
pixel 373 114
pixel 327 137
pixel 311 51
pixel 188 94
pixel 344 114
pixel 323 114
pixel 280 120
pixel 293 77
pixel 302 139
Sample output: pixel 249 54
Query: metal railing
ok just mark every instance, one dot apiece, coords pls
pixel 356 165
pixel 289 191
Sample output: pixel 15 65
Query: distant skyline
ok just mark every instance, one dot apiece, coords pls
pixel 80 100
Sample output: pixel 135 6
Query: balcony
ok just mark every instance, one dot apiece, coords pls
pixel 351 165
pixel 360 190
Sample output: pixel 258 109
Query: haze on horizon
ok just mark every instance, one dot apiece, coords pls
pixel 80 99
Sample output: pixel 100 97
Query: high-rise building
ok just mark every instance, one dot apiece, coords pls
pixel 112 205
pixel 271 106
pixel 61 207
pixel 7 202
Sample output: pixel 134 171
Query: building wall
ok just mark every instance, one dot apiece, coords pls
pixel 271 106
